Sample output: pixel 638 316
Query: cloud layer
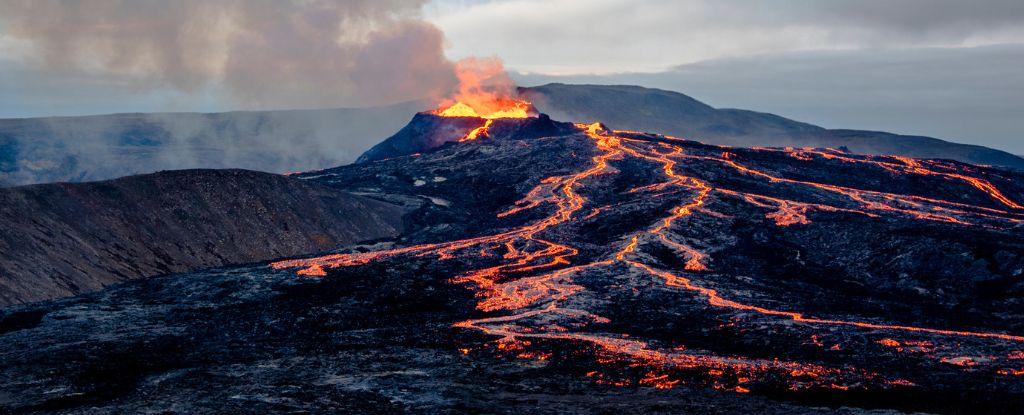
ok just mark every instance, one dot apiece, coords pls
pixel 261 53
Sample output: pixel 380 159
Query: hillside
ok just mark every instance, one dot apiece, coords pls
pixel 64 239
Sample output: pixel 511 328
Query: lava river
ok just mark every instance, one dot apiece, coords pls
pixel 535 285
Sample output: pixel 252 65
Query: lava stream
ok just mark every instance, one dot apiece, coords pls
pixel 536 274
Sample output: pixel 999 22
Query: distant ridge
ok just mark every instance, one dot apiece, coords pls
pixel 87 148
pixel 666 112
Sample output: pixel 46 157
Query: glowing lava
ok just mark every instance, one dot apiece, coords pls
pixel 503 108
pixel 533 288
pixel 485 91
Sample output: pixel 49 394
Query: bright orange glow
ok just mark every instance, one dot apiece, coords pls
pixel 889 343
pixel 505 108
pixel 478 131
pixel 485 91
pixel 1011 372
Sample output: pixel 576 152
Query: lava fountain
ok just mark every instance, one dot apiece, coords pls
pixel 485 91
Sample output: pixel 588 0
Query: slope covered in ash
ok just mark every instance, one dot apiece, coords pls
pixel 594 271
pixel 672 113
pixel 64 239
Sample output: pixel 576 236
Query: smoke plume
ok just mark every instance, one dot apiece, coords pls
pixel 263 53
pixel 483 84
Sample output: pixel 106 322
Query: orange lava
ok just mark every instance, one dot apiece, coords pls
pixel 485 91
pixel 531 291
pixel 1011 372
pixel 889 343
pixel 502 108
pixel 478 131
pixel 907 165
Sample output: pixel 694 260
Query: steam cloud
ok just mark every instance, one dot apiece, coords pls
pixel 263 53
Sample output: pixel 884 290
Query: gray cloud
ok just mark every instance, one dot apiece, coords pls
pixel 262 53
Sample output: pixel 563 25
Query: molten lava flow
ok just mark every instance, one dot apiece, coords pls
pixel 533 284
pixel 478 131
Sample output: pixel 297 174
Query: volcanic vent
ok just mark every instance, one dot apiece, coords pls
pixel 504 118
pixel 486 104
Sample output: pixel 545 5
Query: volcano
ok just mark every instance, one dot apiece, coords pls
pixel 429 130
pixel 556 267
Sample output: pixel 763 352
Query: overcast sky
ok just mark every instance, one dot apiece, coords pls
pixel 950 69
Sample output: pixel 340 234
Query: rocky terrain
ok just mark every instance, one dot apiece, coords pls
pixel 39 150
pixel 64 239
pixel 586 271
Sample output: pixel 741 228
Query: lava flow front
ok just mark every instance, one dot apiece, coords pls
pixel 675 227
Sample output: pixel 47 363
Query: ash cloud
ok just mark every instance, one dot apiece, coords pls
pixel 262 53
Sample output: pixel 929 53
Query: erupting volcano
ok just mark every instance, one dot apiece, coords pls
pixel 599 257
pixel 365 219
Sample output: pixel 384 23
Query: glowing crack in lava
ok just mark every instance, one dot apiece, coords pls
pixel 534 294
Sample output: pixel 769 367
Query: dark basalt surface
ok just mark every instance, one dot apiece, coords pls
pixel 64 239
pixel 380 337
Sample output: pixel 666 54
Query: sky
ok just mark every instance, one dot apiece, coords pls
pixel 949 69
